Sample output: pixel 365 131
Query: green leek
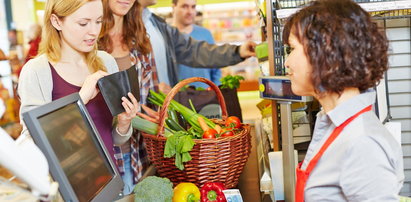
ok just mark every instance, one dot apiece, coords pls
pixel 188 114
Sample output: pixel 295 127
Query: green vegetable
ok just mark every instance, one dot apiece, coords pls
pixel 192 105
pixel 179 145
pixel 172 114
pixel 154 189
pixel 231 82
pixel 144 125
pixel 182 120
pixel 200 89
pixel 188 114
pixel 194 133
pixel 148 126
pixel 174 125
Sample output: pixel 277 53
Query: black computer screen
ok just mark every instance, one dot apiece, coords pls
pixel 76 150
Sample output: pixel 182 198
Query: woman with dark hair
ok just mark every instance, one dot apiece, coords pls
pixel 126 40
pixel 337 56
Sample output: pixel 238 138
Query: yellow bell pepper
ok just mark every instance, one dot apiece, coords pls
pixel 186 192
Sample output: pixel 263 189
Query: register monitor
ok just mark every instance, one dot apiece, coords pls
pixel 279 88
pixel 77 157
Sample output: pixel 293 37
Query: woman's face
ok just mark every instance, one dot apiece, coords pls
pixel 81 29
pixel 121 7
pixel 300 68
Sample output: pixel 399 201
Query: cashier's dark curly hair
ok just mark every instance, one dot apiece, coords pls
pixel 342 43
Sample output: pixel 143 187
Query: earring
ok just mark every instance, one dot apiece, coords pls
pixel 321 88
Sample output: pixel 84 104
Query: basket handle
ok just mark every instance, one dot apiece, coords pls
pixel 177 87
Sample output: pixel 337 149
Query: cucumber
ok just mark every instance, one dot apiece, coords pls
pixel 174 125
pixel 182 121
pixel 172 114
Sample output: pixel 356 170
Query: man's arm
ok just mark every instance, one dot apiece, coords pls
pixel 195 53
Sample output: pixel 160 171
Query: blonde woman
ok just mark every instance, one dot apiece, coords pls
pixel 69 62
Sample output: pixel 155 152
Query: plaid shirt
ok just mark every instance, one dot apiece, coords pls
pixel 139 160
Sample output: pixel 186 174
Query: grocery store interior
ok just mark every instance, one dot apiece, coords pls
pixel 234 22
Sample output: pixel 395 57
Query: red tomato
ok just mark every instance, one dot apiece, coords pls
pixel 233 121
pixel 227 134
pixel 210 133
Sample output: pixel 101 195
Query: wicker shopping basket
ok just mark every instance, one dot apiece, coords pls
pixel 213 160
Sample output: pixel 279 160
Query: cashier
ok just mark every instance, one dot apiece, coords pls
pixel 336 55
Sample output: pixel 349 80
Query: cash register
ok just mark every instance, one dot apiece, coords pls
pixel 76 155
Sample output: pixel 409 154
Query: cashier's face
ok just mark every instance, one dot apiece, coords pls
pixel 300 69
pixel 121 7
pixel 185 12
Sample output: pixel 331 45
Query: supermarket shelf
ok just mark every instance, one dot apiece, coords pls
pixel 378 9
pixel 392 14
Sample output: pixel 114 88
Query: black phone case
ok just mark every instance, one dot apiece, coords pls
pixel 117 85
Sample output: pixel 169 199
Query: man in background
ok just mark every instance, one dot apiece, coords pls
pixel 171 47
pixel 184 13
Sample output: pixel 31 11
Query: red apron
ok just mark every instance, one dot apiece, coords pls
pixel 302 175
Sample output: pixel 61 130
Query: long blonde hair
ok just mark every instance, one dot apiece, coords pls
pixel 51 43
